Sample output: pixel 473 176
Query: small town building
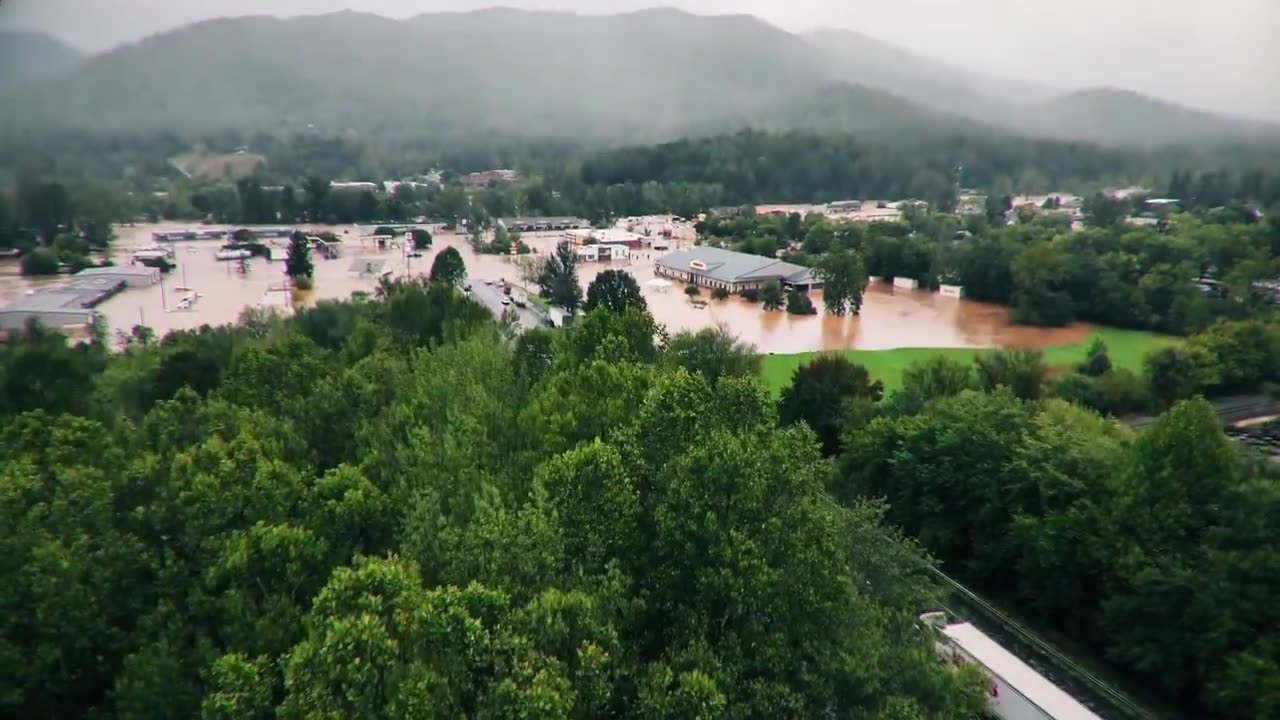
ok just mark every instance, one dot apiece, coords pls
pixel 611 236
pixel 733 271
pixel 875 214
pixel 50 308
pixel 783 210
pixel 72 304
pixel 543 224
pixel 111 275
pixel 600 252
pixel 844 207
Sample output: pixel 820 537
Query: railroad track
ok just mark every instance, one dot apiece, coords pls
pixel 1100 696
pixel 1231 410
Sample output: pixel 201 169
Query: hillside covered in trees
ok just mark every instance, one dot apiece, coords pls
pixel 29 57
pixel 643 76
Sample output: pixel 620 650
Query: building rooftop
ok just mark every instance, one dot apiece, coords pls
pixel 117 271
pixel 733 267
pixel 1032 685
pixel 539 220
pixel 610 235
pixel 47 301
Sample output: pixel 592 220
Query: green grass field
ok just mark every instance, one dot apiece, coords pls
pixel 1126 348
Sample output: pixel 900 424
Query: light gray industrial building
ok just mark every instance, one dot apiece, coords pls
pixel 50 308
pixel 733 271
pixel 72 304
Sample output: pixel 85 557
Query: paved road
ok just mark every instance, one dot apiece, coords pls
pixel 491 297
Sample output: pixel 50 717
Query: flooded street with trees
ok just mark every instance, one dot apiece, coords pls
pixel 890 317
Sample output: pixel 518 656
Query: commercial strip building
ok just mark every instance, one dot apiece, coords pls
pixel 602 252
pixel 130 275
pixel 72 304
pixel 849 210
pixel 611 236
pixel 50 308
pixel 733 271
pixel 543 224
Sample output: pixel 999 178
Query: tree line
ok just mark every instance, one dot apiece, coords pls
pixel 1176 273
pixel 683 177
pixel 396 507
pixel 52 225
pixel 1152 550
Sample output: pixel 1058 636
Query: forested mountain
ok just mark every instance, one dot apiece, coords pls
pixel 865 60
pixel 654 74
pixel 27 57
pixel 1123 116
pixel 647 74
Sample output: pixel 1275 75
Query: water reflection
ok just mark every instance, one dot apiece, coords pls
pixel 890 318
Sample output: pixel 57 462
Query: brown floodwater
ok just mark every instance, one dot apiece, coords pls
pixel 890 317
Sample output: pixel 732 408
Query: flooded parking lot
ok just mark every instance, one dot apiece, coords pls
pixel 890 318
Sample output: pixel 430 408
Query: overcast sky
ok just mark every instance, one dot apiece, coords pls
pixel 1221 54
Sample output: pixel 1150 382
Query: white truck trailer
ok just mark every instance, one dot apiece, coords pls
pixel 1017 691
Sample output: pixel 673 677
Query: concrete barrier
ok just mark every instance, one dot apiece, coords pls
pixel 951 291
pixel 905 283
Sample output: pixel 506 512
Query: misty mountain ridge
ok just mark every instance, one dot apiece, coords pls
pixel 1123 116
pixel 647 75
pixel 27 57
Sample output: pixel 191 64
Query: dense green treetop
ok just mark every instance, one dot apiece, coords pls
pixel 389 508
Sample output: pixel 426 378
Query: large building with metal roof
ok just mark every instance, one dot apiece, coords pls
pixel 72 304
pixel 50 308
pixel 733 271
pixel 130 275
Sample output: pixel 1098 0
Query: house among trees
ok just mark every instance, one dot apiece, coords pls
pixel 733 271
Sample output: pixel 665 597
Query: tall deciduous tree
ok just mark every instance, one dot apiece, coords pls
pixel 1178 373
pixel 421 238
pixel 771 295
pixel 1022 371
pixel 844 277
pixel 820 394
pixel 1104 211
pixel 798 303
pixel 616 291
pixel 933 378
pixel 448 268
pixel 319 192
pixel 559 280
pixel 714 353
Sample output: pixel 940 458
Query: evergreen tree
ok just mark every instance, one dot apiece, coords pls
pixel 298 263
